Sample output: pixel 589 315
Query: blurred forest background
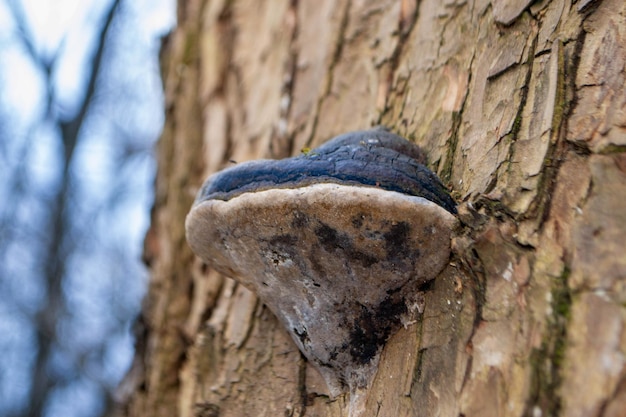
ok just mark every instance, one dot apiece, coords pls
pixel 81 107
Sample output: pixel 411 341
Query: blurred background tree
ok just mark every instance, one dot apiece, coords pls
pixel 81 106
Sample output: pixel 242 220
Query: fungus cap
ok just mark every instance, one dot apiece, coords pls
pixel 335 251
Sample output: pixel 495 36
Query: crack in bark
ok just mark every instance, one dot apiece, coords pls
pixel 339 45
pixel 517 124
pixel 405 27
pixel 285 147
pixel 547 382
pixel 446 171
pixel 546 362
pixel 301 389
pixel 476 272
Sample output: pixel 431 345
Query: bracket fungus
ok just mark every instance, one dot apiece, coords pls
pixel 336 242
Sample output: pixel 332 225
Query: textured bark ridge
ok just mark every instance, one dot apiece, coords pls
pixel 329 245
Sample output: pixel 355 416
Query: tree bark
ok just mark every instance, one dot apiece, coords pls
pixel 521 108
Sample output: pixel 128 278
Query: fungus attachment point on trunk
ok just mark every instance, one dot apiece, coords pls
pixel 336 242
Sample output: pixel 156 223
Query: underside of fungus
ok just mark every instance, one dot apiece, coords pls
pixel 336 242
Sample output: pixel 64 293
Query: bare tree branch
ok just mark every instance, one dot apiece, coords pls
pixel 60 240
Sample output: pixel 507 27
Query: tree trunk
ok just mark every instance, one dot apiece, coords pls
pixel 521 108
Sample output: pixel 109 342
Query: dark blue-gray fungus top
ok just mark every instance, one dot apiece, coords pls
pixel 370 158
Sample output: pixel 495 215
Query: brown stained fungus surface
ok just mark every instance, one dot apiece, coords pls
pixel 336 242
